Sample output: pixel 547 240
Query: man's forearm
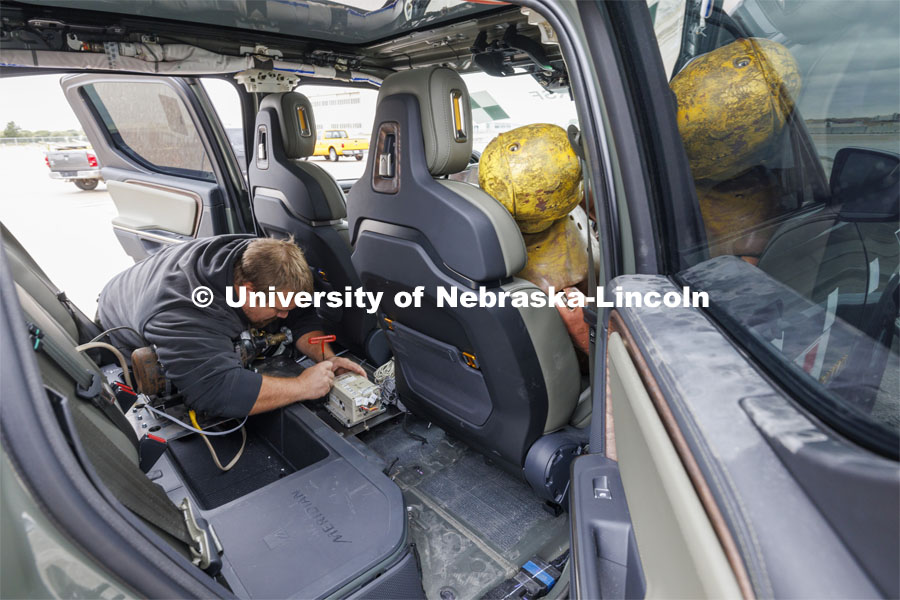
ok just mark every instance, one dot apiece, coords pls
pixel 276 392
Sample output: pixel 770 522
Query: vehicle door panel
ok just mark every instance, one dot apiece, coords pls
pixel 715 512
pixel 143 159
pixel 151 217
pixel 680 552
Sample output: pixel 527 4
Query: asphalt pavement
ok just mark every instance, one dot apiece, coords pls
pixel 68 231
pixel 344 168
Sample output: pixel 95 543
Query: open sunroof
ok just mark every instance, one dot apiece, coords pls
pixel 346 21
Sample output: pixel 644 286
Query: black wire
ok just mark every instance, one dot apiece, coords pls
pixel 120 327
pixel 414 436
pixel 560 561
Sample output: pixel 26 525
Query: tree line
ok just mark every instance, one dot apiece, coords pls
pixel 13 131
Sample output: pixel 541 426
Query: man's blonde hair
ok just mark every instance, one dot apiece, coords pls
pixel 271 262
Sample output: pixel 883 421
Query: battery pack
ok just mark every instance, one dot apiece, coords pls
pixel 534 579
pixel 353 399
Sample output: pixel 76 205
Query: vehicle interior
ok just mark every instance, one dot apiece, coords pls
pixel 451 497
pixel 462 473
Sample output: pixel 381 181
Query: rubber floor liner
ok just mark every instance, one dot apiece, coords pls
pixel 473 523
pixel 258 466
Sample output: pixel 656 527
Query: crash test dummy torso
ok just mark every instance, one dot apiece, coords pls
pixel 534 172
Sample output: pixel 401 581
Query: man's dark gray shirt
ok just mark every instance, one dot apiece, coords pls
pixel 195 345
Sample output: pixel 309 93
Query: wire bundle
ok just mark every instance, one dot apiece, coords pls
pixel 384 377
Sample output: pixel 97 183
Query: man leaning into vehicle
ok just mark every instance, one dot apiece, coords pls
pixel 196 346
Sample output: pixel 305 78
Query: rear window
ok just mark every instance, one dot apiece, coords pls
pixel 149 122
pixel 789 115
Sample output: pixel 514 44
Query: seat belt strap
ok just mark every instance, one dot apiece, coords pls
pixel 140 495
pixel 127 482
pixel 124 478
pixel 88 385
pixel 85 328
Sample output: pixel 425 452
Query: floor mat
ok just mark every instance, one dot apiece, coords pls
pixel 259 466
pixel 473 523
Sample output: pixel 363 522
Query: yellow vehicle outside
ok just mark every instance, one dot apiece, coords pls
pixel 335 143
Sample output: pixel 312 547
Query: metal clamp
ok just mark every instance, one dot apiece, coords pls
pixel 201 553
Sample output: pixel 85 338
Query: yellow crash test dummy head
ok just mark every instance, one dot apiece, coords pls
pixel 534 173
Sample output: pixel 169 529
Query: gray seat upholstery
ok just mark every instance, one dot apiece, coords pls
pixel 35 282
pixel 41 307
pixel 292 197
pixel 501 377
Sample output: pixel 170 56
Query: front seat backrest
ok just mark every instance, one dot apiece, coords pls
pixel 497 377
pixel 292 197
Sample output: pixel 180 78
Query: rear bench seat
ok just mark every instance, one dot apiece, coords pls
pixel 337 526
pixel 41 307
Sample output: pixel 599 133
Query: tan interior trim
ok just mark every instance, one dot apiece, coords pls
pixel 173 190
pixel 610 425
pixel 381 183
pixel 617 325
pixel 147 234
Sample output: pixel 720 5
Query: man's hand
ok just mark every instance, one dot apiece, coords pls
pixel 316 380
pixel 344 365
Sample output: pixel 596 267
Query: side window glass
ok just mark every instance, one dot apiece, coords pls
pixel 788 114
pixel 149 122
pixel 227 104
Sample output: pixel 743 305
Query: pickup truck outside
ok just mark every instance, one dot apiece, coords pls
pixel 77 164
pixel 335 143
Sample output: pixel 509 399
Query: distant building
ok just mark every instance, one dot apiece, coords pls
pixel 879 124
pixel 347 110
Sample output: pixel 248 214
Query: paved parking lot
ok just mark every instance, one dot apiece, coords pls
pixel 344 168
pixel 66 230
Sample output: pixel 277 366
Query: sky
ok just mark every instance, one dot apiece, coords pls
pixel 849 56
pixel 37 102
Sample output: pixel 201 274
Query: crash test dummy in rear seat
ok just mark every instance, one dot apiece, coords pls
pixel 196 345
pixel 534 172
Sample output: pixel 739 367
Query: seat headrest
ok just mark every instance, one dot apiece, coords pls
pixel 296 121
pixel 446 114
